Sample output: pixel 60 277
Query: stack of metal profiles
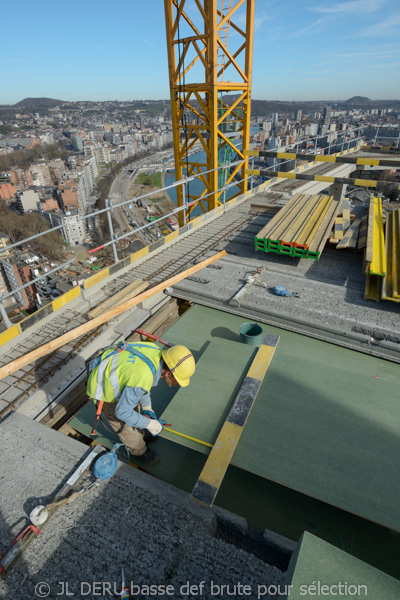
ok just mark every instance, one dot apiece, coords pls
pixel 381 261
pixel 301 228
pixel 390 287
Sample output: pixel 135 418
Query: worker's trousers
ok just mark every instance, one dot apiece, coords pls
pixel 132 438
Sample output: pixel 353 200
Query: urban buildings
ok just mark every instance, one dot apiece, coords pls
pixel 18 274
pixel 73 230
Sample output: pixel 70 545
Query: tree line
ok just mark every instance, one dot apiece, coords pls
pixel 22 159
pixel 19 227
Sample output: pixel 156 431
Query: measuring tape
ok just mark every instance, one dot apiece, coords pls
pixel 188 437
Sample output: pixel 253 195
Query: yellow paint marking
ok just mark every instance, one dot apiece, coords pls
pixel 220 456
pixel 96 278
pixel 67 297
pixel 139 254
pixel 261 362
pixel 365 182
pixel 9 334
pixel 325 179
pixel 368 161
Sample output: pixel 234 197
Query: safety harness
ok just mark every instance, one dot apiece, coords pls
pixel 96 360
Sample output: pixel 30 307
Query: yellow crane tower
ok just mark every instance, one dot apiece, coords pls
pixel 210 48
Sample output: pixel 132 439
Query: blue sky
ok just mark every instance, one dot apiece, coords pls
pixel 303 50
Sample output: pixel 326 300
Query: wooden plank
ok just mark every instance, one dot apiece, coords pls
pixel 28 358
pixel 291 219
pixel 325 228
pixel 158 323
pixel 68 431
pixel 312 226
pixel 344 212
pixel 292 233
pixel 350 237
pixel 131 290
pixel 213 473
pixel 280 218
pixel 67 407
pixel 339 228
pixel 362 237
pixel 272 209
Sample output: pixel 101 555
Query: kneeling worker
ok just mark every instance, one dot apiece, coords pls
pixel 123 376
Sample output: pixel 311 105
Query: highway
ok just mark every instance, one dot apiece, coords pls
pixel 131 218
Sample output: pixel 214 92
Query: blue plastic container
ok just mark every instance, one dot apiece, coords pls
pixel 250 333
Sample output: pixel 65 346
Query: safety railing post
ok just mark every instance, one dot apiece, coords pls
pixel 184 202
pixel 225 178
pixel 110 227
pixel 3 313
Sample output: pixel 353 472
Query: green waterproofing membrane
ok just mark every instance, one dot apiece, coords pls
pixel 325 423
pixel 263 503
pixel 318 428
pixel 318 569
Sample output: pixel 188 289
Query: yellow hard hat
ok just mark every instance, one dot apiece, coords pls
pixel 180 362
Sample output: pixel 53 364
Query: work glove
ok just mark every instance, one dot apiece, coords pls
pixel 149 413
pixel 154 426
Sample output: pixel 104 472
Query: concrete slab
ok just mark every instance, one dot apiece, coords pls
pixel 132 521
pixel 330 305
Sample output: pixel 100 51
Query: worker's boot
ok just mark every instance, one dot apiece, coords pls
pixel 148 458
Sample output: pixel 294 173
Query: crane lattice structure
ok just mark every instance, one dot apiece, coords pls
pixel 210 47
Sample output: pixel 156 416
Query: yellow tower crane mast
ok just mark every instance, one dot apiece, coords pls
pixel 210 48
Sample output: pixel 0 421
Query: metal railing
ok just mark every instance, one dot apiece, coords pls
pixel 114 239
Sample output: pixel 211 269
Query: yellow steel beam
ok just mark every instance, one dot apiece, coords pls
pixel 373 286
pixel 378 263
pixel 390 283
pixel 396 253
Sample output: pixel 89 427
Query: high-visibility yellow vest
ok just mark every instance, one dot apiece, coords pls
pixel 133 365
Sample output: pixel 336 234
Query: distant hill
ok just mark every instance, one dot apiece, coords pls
pixel 39 102
pixel 358 100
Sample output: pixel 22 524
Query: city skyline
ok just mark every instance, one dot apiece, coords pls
pixel 305 50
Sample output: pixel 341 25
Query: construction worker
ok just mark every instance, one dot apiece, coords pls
pixel 122 377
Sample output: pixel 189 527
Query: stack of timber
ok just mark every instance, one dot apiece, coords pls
pixel 349 232
pixel 301 228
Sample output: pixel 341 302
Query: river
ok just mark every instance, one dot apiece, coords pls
pixel 197 187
